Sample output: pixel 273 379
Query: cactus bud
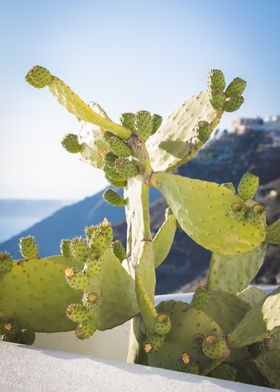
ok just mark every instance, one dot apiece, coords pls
pixel 256 215
pixel 38 76
pixel 86 329
pixel 119 250
pixel 238 211
pixel 187 365
pixel 65 248
pixel 113 198
pixel 216 80
pixel 126 168
pixel 203 131
pixel 91 300
pixel 71 144
pixel 117 145
pixel 79 249
pixel 77 312
pixel 162 324
pixel 28 247
pixel 224 372
pixel 128 121
pixel 157 120
pixel 77 280
pixel 215 347
pixel 233 103
pixel 248 186
pixel 237 86
pixel 217 100
pixel 144 125
pixel 6 263
pixel 27 336
pixel 110 159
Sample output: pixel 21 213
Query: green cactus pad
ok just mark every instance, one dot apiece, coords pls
pixel 91 300
pixel 157 120
pixel 128 120
pixel 126 168
pixel 216 80
pixel 27 336
pixel 252 295
pixel 202 210
pixel 93 266
pixel 153 343
pixel 273 233
pixel 71 143
pixel 233 103
pixel 162 324
pixel 256 215
pixel 237 86
pixel 225 308
pixel 28 247
pixel 78 312
pixel 269 366
pixel 65 248
pixel 38 76
pixel 224 372
pixel 203 131
pixel 36 294
pixel 77 280
pixel 261 321
pixel 185 323
pixel 248 186
pixel 119 250
pixel 234 273
pixel 117 293
pixel 6 263
pixel 113 198
pixel 181 126
pixel 164 239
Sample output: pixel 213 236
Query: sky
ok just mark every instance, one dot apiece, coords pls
pixel 127 56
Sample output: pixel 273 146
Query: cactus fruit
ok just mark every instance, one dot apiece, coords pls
pixel 86 329
pixel 216 80
pixel 38 76
pixel 215 347
pixel 117 145
pixel 228 331
pixel 157 120
pixel 113 198
pixel 119 250
pixel 203 131
pixel 144 125
pixel 79 249
pixel 224 372
pixel 28 248
pixel 128 120
pixel 77 312
pixel 233 103
pixel 217 100
pixel 71 143
pixel 6 263
pixel 248 186
pixel 237 86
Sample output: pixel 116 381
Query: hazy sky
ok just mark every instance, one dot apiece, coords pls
pixel 126 55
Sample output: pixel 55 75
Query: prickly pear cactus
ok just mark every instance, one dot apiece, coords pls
pixel 229 331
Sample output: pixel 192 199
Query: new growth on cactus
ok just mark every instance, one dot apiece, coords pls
pixel 229 331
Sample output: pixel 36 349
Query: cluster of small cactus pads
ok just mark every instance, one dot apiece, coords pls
pixel 229 331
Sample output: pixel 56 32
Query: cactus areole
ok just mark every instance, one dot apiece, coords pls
pixel 229 331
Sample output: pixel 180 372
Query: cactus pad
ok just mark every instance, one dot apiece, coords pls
pixel 164 239
pixel 248 186
pixel 273 233
pixel 202 209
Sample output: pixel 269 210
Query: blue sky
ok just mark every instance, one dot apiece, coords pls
pixel 126 55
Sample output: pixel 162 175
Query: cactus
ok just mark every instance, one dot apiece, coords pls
pixel 229 331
